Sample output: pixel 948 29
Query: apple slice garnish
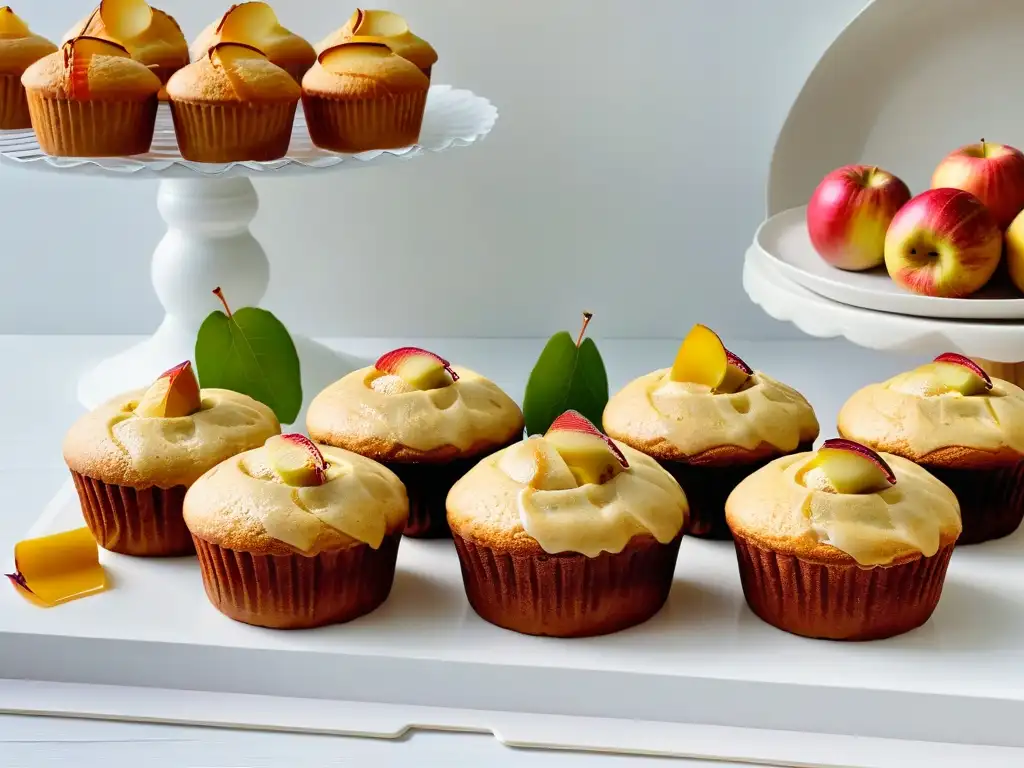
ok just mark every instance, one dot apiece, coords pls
pixel 419 368
pixel 339 58
pixel 11 24
pixel 78 55
pixel 591 455
pixel 962 374
pixel 736 374
pixel 851 468
pixel 377 24
pixel 173 395
pixel 702 359
pixel 537 464
pixel 229 56
pixel 296 460
pixel 247 22
pixel 125 19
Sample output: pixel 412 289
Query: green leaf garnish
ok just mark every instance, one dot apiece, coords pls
pixel 568 375
pixel 250 352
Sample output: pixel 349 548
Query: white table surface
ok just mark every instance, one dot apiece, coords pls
pixel 38 404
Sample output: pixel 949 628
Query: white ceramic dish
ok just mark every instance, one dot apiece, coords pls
pixel 785 241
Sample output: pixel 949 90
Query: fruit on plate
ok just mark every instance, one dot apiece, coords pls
pixel 1015 251
pixel 418 368
pixel 591 455
pixel 296 460
pixel 993 173
pixel 850 212
pixel 944 242
pixel 174 394
pixel 948 373
pixel 844 466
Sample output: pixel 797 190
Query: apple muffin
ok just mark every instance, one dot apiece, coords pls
pixel 133 458
pixel 387 28
pixel 19 49
pixel 567 534
pixel 256 25
pixel 426 420
pixel 711 421
pixel 91 99
pixel 844 543
pixel 152 37
pixel 960 424
pixel 293 534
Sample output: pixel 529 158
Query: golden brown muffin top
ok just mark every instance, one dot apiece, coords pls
pixel 783 507
pixel 88 68
pixel 150 35
pixel 363 71
pixel 19 46
pixel 377 415
pixel 526 495
pixel 676 420
pixel 233 72
pixel 256 24
pixel 904 415
pixel 114 445
pixel 242 504
pixel 383 27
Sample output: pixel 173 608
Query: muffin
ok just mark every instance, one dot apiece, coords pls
pixel 423 419
pixel 843 544
pixel 387 28
pixel 294 535
pixel 964 427
pixel 567 534
pixel 256 24
pixel 133 458
pixel 233 105
pixel 19 49
pixel 361 96
pixel 151 36
pixel 711 421
pixel 91 99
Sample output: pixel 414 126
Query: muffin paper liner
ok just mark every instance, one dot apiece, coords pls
pixel 707 488
pixel 991 500
pixel 13 104
pixel 568 594
pixel 295 591
pixel 840 602
pixel 229 133
pixel 69 128
pixel 146 522
pixel 358 125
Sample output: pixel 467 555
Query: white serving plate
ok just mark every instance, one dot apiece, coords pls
pixel 424 659
pixel 785 241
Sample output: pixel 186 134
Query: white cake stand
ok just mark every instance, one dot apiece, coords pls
pixel 208 243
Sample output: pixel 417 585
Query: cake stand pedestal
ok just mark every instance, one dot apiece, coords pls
pixel 208 244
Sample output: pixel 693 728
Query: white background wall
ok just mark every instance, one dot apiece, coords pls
pixel 626 175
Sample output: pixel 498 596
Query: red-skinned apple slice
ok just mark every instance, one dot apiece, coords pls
pixel 538 464
pixel 736 374
pixel 173 395
pixel 126 19
pixel 419 368
pixel 11 25
pixel 297 460
pixel 852 468
pixel 592 456
pixel 968 377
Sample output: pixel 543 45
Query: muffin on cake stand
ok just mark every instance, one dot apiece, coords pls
pixel 208 209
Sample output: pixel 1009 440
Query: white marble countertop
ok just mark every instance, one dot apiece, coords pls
pixel 38 404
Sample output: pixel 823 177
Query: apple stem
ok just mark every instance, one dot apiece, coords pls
pixel 587 317
pixel 220 295
pixel 984 148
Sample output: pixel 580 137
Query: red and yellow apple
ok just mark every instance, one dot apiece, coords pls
pixel 418 368
pixel 948 373
pixel 944 242
pixel 1015 251
pixel 296 460
pixel 174 394
pixel 850 212
pixel 591 456
pixel 845 466
pixel 993 173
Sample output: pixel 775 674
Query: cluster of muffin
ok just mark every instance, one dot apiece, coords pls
pixel 574 532
pixel 233 94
